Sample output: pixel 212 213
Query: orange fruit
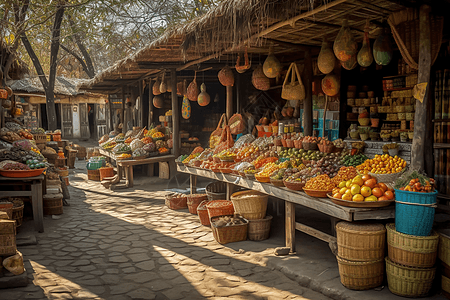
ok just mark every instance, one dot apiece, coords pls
pixel 347 197
pixel 371 199
pixel 355 189
pixel 366 177
pixel 370 183
pixel 377 192
pixel 383 186
pixel 358 180
pixel 389 195
pixel 366 191
pixel 382 198
pixel 337 195
pixel 358 198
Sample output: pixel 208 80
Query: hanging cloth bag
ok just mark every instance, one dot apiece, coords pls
pixel 237 124
pixel 214 139
pixel 192 89
pixel 294 90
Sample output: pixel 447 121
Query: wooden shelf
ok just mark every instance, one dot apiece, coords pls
pixel 440 120
pixel 395 76
pixel 398 89
pixel 441 145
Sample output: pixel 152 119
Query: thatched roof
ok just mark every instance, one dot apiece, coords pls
pixel 18 67
pixel 287 25
pixel 63 86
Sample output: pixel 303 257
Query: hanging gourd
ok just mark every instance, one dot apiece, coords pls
pixel 345 46
pixel 272 66
pixel 350 64
pixel 259 80
pixel 382 48
pixel 326 59
pixel 203 98
pixel 330 85
pixel 169 86
pixel 156 87
pixel 226 76
pixel 247 65
pixel 180 88
pixel 365 57
pixel 186 108
pixel 192 89
pixel 158 101
pixel 163 85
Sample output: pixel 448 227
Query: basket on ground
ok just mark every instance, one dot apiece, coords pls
pixel 259 230
pixel 251 205
pixel 445 283
pixel 17 214
pixel 216 190
pixel 106 172
pixel 94 175
pixel 176 202
pixel 444 246
pixel 360 241
pixel 8 237
pixel 193 200
pixel 410 250
pixel 409 281
pixel 202 213
pixel 229 234
pixel 53 204
pixel 361 275
pixel 220 208
pixel 414 212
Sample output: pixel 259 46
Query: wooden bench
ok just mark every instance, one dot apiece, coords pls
pixel 291 198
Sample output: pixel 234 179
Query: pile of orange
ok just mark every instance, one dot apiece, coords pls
pixel 382 164
pixel 363 188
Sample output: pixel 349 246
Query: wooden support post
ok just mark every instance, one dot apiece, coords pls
pixel 290 225
pixel 175 115
pixel 111 114
pixel 124 126
pixel 150 103
pixel 324 116
pixel 193 183
pixel 420 119
pixel 307 120
pixel 229 106
pixel 238 97
pixel 141 101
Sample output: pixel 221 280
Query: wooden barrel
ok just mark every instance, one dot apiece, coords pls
pixel 53 204
pixel 71 157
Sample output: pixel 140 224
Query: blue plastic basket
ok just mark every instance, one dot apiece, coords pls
pixel 414 219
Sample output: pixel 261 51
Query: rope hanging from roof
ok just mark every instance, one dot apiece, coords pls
pixel 405 29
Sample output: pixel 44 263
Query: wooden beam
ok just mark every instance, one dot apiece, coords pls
pixel 111 114
pixel 124 127
pixel 175 115
pixel 420 118
pixel 307 118
pixel 229 107
pixel 200 60
pixel 290 226
pixel 150 103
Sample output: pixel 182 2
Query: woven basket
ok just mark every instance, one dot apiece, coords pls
pixel 409 281
pixel 259 230
pixel 445 286
pixel 444 248
pixel 277 182
pixel 251 205
pixel 40 138
pixel 309 146
pixel 202 213
pixel 361 275
pixel 360 241
pixel 194 200
pixel 17 215
pixel 326 148
pixel 229 234
pixel 176 202
pixel 53 204
pixel 386 178
pixel 220 208
pixel 295 186
pixel 410 250
pixel 106 172
pixel 94 175
pixel 7 237
pixel 216 190
pixel 7 207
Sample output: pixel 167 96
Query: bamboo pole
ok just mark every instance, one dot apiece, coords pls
pixel 307 104
pixel 124 126
pixel 150 103
pixel 229 107
pixel 324 115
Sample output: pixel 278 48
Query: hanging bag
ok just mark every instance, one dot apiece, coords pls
pixel 192 90
pixel 163 85
pixel 214 139
pixel 237 124
pixel 156 86
pixel 295 90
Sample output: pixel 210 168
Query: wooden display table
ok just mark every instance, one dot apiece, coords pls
pixel 8 184
pixel 126 166
pixel 291 198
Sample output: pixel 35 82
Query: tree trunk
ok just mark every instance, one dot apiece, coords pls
pixel 90 71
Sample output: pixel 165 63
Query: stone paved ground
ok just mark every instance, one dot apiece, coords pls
pixel 127 245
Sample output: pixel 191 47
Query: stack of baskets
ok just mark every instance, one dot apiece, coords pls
pixel 361 254
pixel 216 190
pixel 444 257
pixel 252 205
pixel 193 201
pixel 410 263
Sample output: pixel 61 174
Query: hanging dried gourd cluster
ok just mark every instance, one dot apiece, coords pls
pixel 345 49
pixel 160 87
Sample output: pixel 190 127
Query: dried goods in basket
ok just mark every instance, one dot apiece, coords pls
pixel 229 229
pixel 250 204
pixel 176 201
pixel 220 208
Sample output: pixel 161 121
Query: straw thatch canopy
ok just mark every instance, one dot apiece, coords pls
pixel 290 26
pixel 63 86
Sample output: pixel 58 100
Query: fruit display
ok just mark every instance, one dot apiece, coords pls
pixel 139 152
pixel 9 135
pixel 226 155
pixel 161 144
pixel 382 164
pixel 150 147
pixel 35 164
pixel 38 131
pixel 146 140
pixel 136 144
pixel 339 143
pixel 15 166
pixel 353 160
pixel 363 188
pixel 123 156
pixel 303 175
pixel 128 140
pixel 190 157
pixel 262 161
pixel 320 183
pixel 268 169
pixel 158 135
pixel 25 134
pixel 415 182
pixel 109 145
pixel 344 174
pixel 163 150
pixel 120 148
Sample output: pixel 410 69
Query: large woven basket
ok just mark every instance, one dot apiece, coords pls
pixel 445 286
pixel 216 190
pixel 17 214
pixel 361 275
pixel 386 178
pixel 251 205
pixel 229 234
pixel 409 281
pixel 444 247
pixel 53 204
pixel 202 213
pixel 361 241
pixel 176 202
pixel 410 250
pixel 193 200
pixel 220 208
pixel 259 230
pixel 94 175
